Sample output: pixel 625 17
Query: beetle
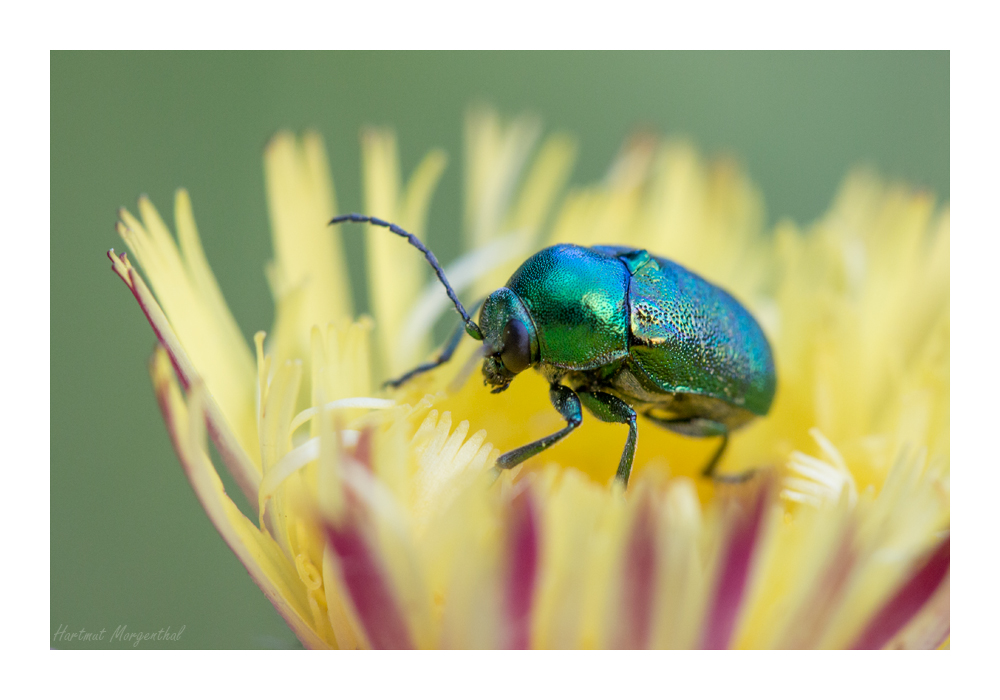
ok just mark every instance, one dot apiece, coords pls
pixel 620 332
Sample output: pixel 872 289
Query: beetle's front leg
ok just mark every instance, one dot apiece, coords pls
pixel 611 409
pixel 445 356
pixel 567 403
pixel 446 353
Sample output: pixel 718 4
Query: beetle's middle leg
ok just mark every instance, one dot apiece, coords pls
pixel 701 427
pixel 567 403
pixel 611 409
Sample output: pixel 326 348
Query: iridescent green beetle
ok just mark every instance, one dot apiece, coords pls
pixel 619 331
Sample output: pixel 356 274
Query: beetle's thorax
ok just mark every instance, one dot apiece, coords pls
pixel 577 298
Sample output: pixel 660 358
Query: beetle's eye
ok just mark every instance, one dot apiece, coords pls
pixel 516 353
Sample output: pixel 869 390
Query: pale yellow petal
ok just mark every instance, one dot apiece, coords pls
pixel 186 290
pixel 396 271
pixel 543 183
pixel 308 253
pixel 264 560
pixel 496 154
pixel 571 517
pixel 683 590
pixel 238 461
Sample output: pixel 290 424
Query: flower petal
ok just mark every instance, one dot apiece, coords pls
pixel 521 567
pixel 908 600
pixel 395 271
pixel 544 182
pixel 639 570
pixel 263 559
pixel 308 253
pixel 743 531
pixel 496 154
pixel 683 585
pixel 190 298
pixel 570 515
pixel 367 584
pixel 244 470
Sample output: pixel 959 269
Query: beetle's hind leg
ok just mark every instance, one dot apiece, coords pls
pixel 703 427
pixel 567 403
pixel 611 409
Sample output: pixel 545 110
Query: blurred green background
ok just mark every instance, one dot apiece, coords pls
pixel 130 544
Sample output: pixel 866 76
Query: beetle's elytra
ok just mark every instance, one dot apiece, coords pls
pixel 620 332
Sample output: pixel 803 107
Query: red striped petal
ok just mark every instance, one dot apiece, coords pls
pixel 368 586
pixel 638 581
pixel 235 458
pixel 908 600
pixel 363 450
pixel 818 609
pixel 522 567
pixel 724 606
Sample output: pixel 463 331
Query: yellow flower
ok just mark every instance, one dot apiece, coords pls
pixel 376 520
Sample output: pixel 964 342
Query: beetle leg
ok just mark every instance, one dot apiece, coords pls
pixel 446 353
pixel 611 409
pixel 699 427
pixel 709 470
pixel 567 403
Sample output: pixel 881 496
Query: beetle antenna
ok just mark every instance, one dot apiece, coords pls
pixel 470 326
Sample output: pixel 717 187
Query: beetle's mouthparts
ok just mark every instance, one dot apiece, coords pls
pixel 496 374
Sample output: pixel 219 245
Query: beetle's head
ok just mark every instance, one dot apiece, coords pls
pixel 510 343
